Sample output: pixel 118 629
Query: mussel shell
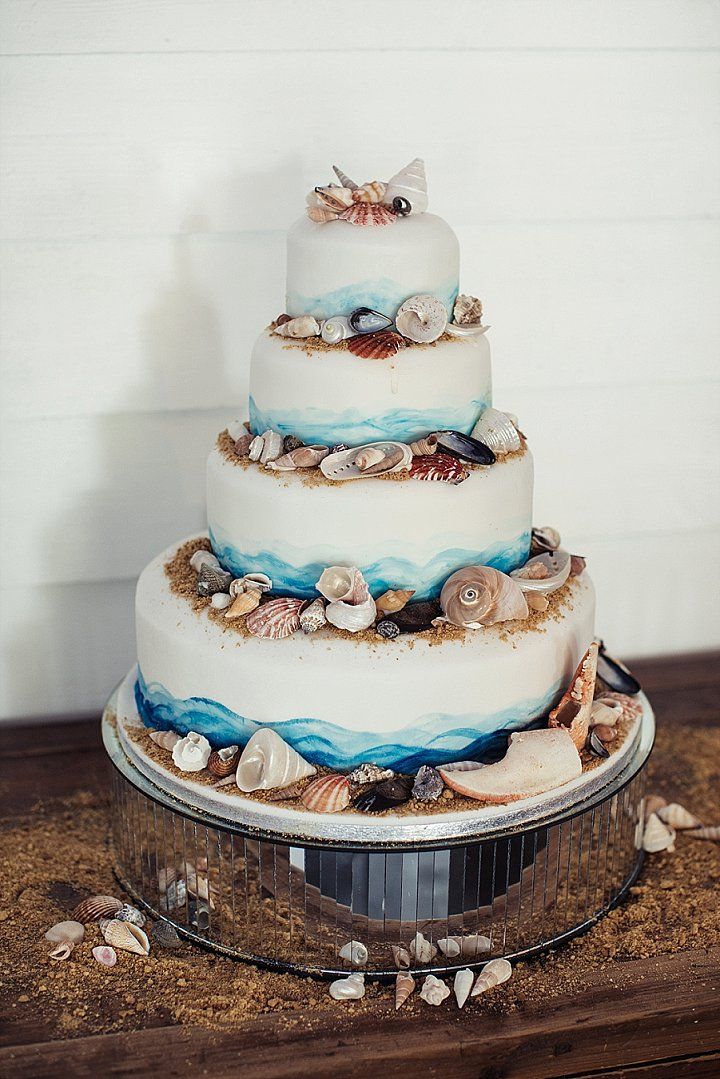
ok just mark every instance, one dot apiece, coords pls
pixel 615 675
pixel 365 320
pixel 412 618
pixel 596 746
pixel 386 795
pixel 465 447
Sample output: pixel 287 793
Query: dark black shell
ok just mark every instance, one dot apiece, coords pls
pixel 412 618
pixel 290 443
pixel 615 675
pixel 597 747
pixel 365 320
pixel 388 629
pixel 401 206
pixel 211 580
pixel 386 795
pixel 465 447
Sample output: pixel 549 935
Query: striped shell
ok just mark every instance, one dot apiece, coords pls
pixel 223 762
pixel 438 467
pixel 276 619
pixel 165 739
pixel 96 907
pixel 478 596
pixel 327 794
pixel 404 985
pixel 368 213
pixel 125 936
pixel 376 346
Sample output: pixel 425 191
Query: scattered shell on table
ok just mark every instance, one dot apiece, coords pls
pixel 337 329
pixel 369 773
pixel 125 936
pixel 469 947
pixel 350 988
pixel 268 762
pixel 462 985
pixel 223 762
pixel 544 573
pixel 365 320
pixel 343 465
pixel 354 952
pixel 404 986
pixel 377 346
pixel 424 446
pixel 434 991
pixel 302 457
pixel 678 817
pixel 493 973
pixel 276 619
pixel 651 804
pixel 394 600
pixel 243 444
pixel 105 955
pixel 605 713
pixel 421 949
pixel 304 326
pixel 165 935
pixel 401 956
pixel 657 836
pixel 96 907
pixel 243 604
pixel 478 596
pixel 327 794
pixel 615 674
pixel 312 617
pixel 536 761
pixel 544 539
pixel 65 936
pixel 712 832
pixel 467 310
pixel 409 184
pixel 203 558
pixel 128 913
pixel 465 447
pixel 191 753
pixel 368 213
pixel 573 711
pixel 496 430
pixel 428 785
pixel 438 468
pixel 421 319
pixel 220 601
pixel 212 579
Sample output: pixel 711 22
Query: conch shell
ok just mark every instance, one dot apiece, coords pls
pixel 573 712
pixel 678 817
pixel 302 457
pixel 536 761
pixel 493 973
pixel 422 319
pixel 467 311
pixel 268 762
pixel 409 184
pixel 351 606
pixel 394 600
pixel 303 326
pixel 404 986
pixel 243 604
pixel 479 596
pixel 657 836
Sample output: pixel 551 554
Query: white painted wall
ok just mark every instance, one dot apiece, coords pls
pixel 153 155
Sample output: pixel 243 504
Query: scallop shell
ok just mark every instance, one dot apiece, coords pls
pixel 243 604
pixel 276 619
pixel 411 184
pixel 401 956
pixel 302 457
pixel 573 711
pixel 368 213
pixel 374 191
pixel 345 180
pixel 125 936
pixel 479 596
pixel 350 988
pixel 462 985
pixel 394 600
pixel 223 762
pixel 496 430
pixel 493 973
pixel 105 955
pixel 424 446
pixel 678 817
pixel 377 346
pixel 337 329
pixel 712 833
pixel 467 310
pixel 421 949
pixel 354 952
pixel 657 836
pixel 96 907
pixel 312 617
pixel 536 761
pixel 343 583
pixel 267 762
pixel 434 991
pixel 545 573
pixel 327 794
pixel 341 466
pixel 422 319
pixel 165 739
pixel 404 986
pixel 352 617
pixel 304 326
pixel 438 468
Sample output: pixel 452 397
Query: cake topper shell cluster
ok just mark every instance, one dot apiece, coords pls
pixel 370 204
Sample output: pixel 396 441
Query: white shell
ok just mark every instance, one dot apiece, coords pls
pixel 462 985
pixel 606 713
pixel 411 184
pixel 268 762
pixel 350 988
pixel 352 617
pixel 259 581
pixel 126 936
pixel 557 563
pixel 204 558
pixel 220 600
pixel 469 947
pixel 304 326
pixel 677 816
pixel 165 739
pixel 468 330
pixel 272 447
pixel 496 430
pixel 236 429
pixel 342 583
pixel 433 990
pixel 337 329
pixel 493 973
pixel 354 952
pixel 421 949
pixel 341 466
pixel 368 456
pixel 191 753
pixel 657 836
pixel 421 319
pixel 449 946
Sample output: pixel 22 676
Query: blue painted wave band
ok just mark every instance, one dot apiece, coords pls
pixel 436 738
pixel 296 578
pixel 381 294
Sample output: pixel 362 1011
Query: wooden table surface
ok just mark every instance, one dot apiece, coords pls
pixel 664 1022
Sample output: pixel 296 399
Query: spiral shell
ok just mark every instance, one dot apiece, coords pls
pixel 243 604
pixel 327 794
pixel 422 319
pixel 312 617
pixel 481 596
pixel 493 973
pixel 352 617
pixel 424 446
pixel 333 197
pixel 421 949
pixel 394 600
pixel 337 329
pixel 350 988
pixel 165 739
pixel 434 991
pixel 267 762
pixel 496 430
pixel 404 986
pixel 303 326
pixel 96 907
pixel 374 191
pixel 301 457
pixel 657 836
pixel 344 583
pixel 410 184
pixel 354 952
pixel 678 817
pixel 462 985
pixel 223 762
pixel 276 619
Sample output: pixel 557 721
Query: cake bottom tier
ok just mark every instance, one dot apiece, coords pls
pixel 340 701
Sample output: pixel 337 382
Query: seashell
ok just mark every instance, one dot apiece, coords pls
pixel 175 895
pixel 368 457
pixel 223 762
pixel 469 947
pixel 197 885
pixel 479 596
pixel 678 817
pixel 536 761
pixel 268 762
pixel 465 447
pixel 413 618
pixel 165 935
pixel 272 447
pixel 104 955
pixel 421 949
pixel 166 876
pixel 276 619
pixel 334 198
pixel 365 320
pixel 243 604
pixel 327 794
pixel 352 617
pixel 125 936
pixel 467 310
pixel 605 713
pixel 496 430
pixel 65 936
pixel 165 739
pixel 544 539
pixel 438 468
pixel 302 457
pixel 220 601
pixel 651 804
pixel 536 601
pixel 199 914
pixel 421 318
pixel 344 583
pixel 462 766
pixel 374 191
pixel 368 214
pixel 605 734
pixel 260 582
pixel 657 836
pixel 377 346
pixel 401 956
pixel 386 795
pixel 615 674
pixel 337 329
pixel 462 985
pixel 394 600
pixel 236 429
pixel 424 446
pixel 191 753
pixel 428 785
pixel 128 913
pixel 631 707
pixel 242 445
pixel 573 711
pixel 350 988
pixel 388 629
pixel 433 990
pixel 354 952
pixel 203 558
pixel 449 946
pixel 596 745
pixel 96 907
pixel 292 442
pixel 339 447
pixel 345 180
pixel 304 326
pixel 256 448
pixel 474 329
pixel 404 986
pixel 320 214
pixel 312 617
pixel 545 573
pixel 212 579
pixel 370 773
pixel 410 184
pixel 493 973
pixel 341 466
pixel 287 793
pixel 577 565
pixel 712 832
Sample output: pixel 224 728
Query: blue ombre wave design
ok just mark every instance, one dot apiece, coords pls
pixel 382 294
pixel 436 738
pixel 298 578
pixel 327 427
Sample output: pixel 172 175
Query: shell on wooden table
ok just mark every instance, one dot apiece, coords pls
pixel 165 739
pixel 496 430
pixel 368 214
pixel 410 184
pixel 575 707
pixel 404 986
pixel 678 817
pixel 421 949
pixel 337 329
pixel 303 326
pixel 65 936
pixel 544 573
pixel 312 617
pixel 96 907
pixel 355 953
pixel 424 446
pixel 657 836
pixel 268 762
pixel 434 991
pixel 377 346
pixel 327 794
pixel 350 988
pixel 478 596
pixel 276 619
pixel 244 603
pixel 301 457
pixel 421 318
pixel 438 468
pixel 126 936
pixel 493 973
pixel 462 985
pixel 343 465
pixel 223 762
pixel 467 310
